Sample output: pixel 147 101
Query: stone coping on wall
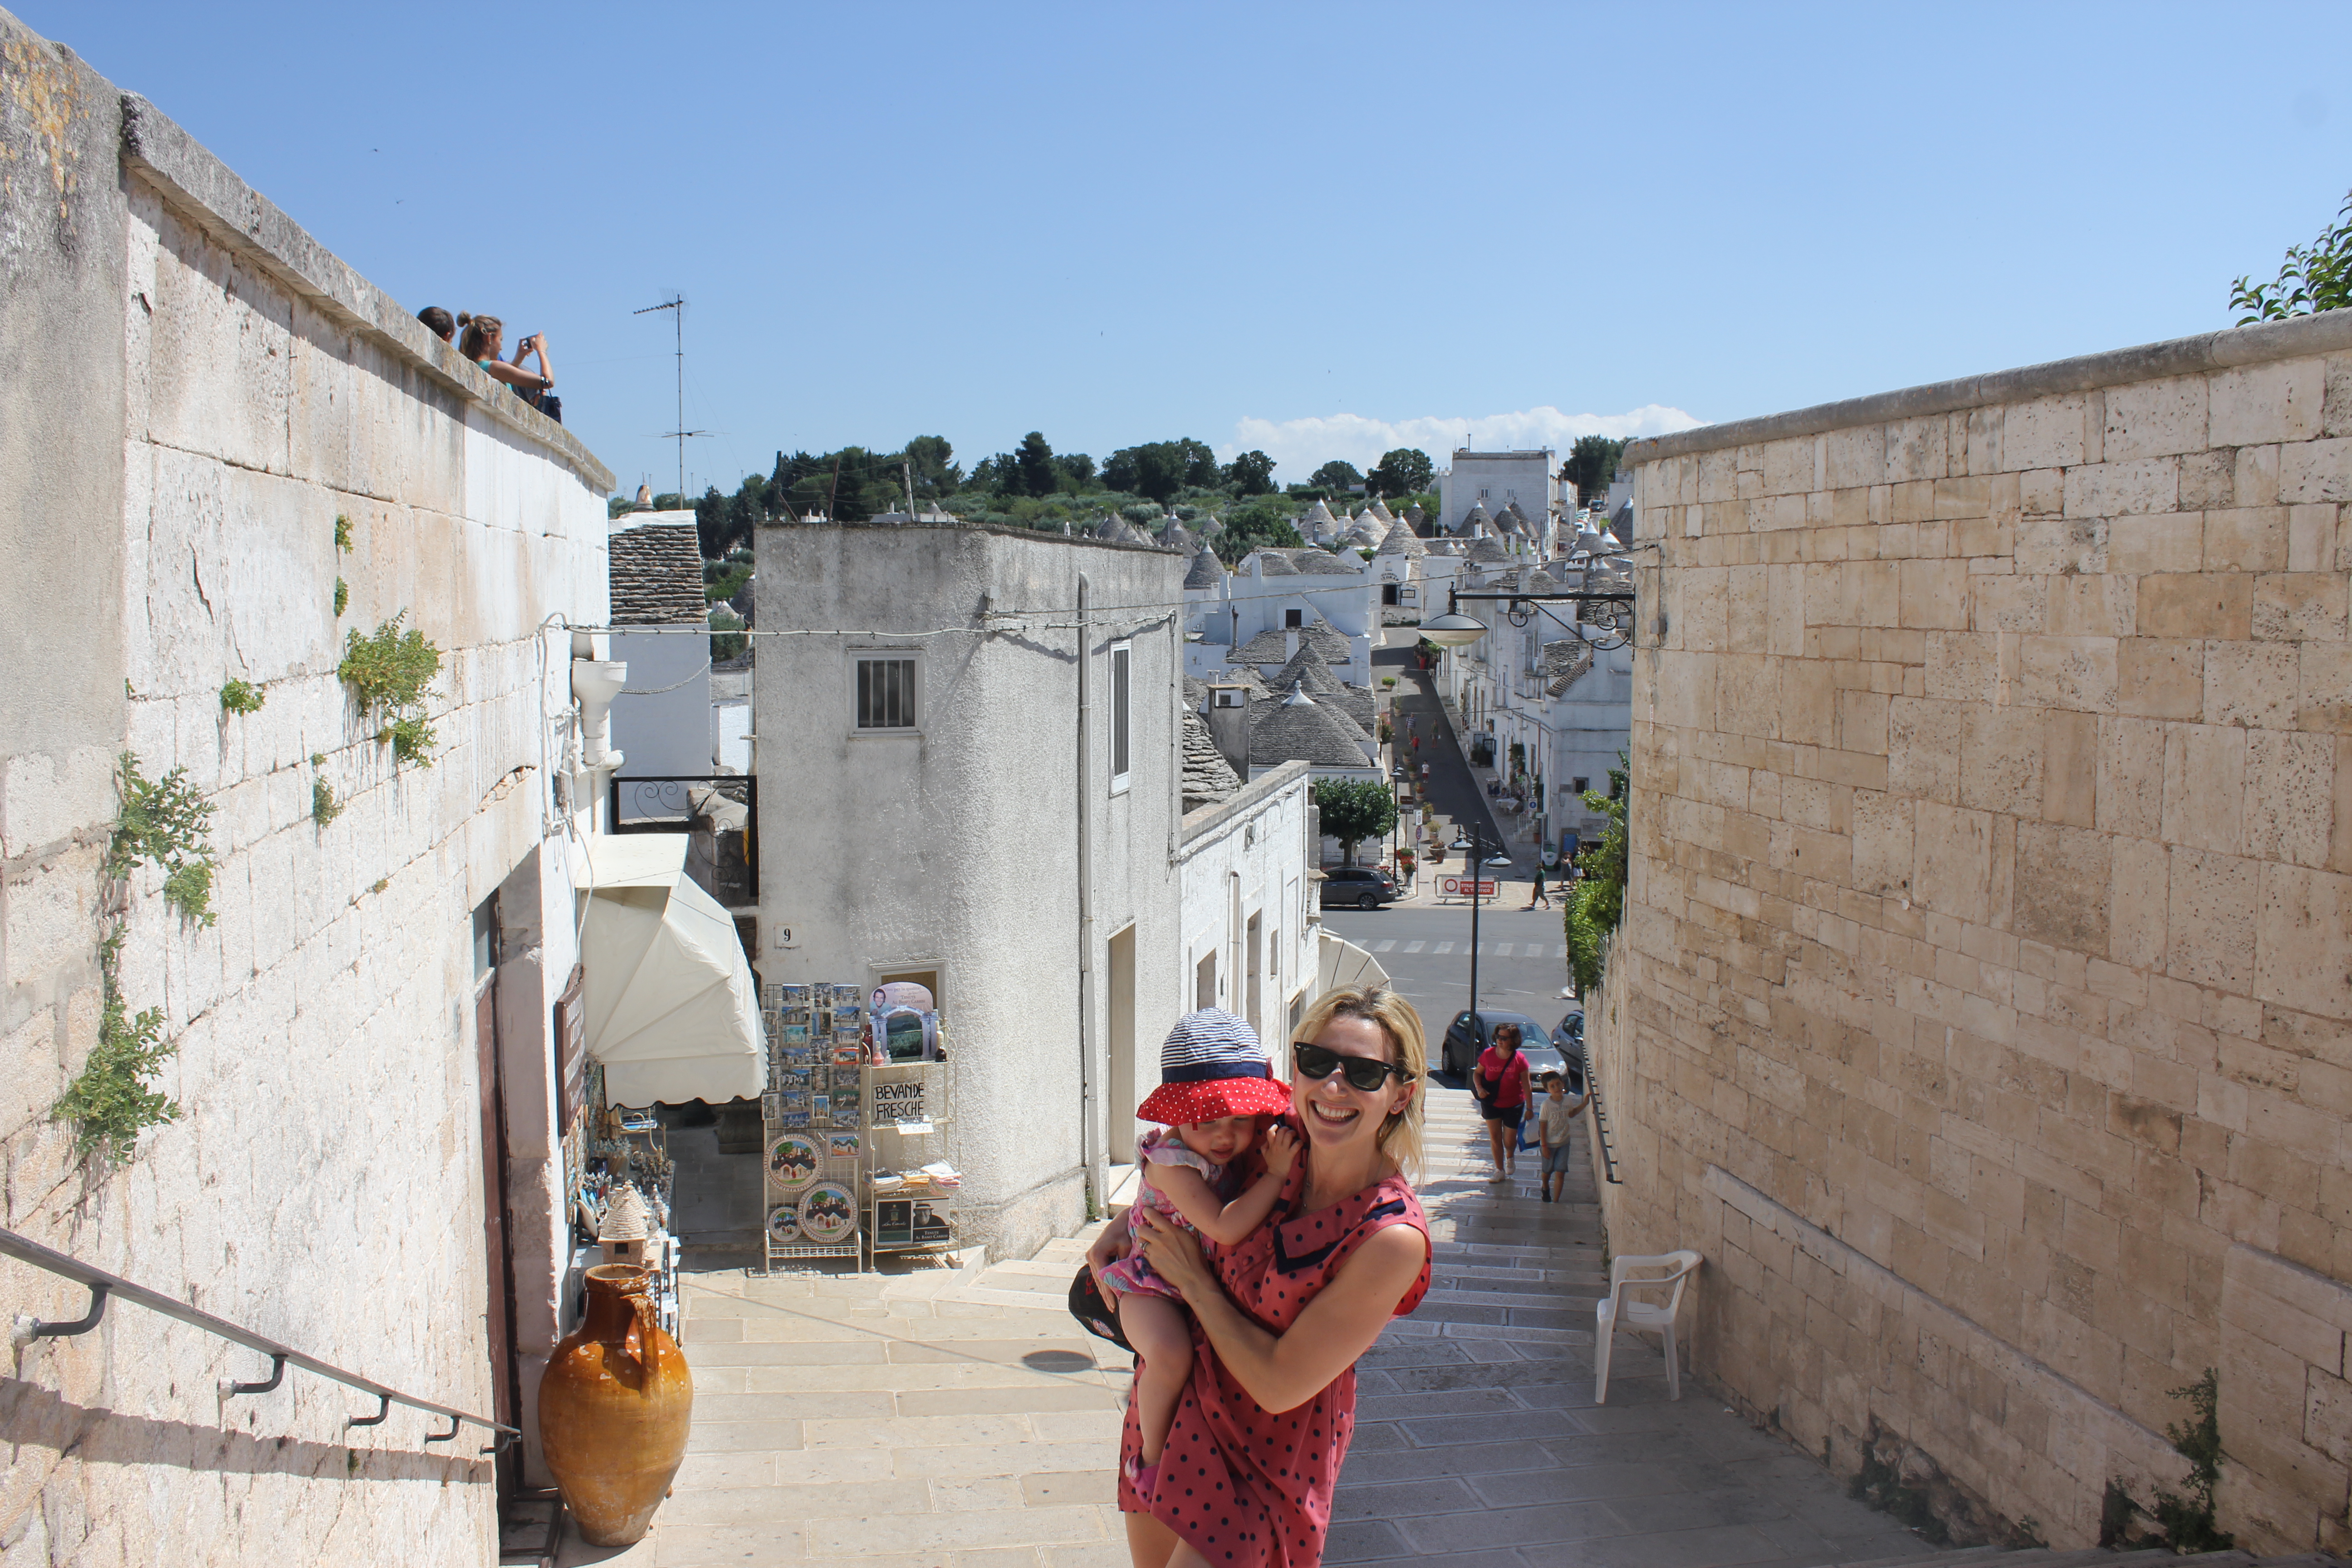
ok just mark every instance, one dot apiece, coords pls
pixel 2298 338
pixel 198 185
pixel 1253 794
pixel 1003 529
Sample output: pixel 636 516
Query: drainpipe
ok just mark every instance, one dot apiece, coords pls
pixel 1090 1137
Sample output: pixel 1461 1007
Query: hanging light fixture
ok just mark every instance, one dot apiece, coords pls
pixel 1452 629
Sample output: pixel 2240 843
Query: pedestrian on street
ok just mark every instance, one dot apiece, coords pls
pixel 1539 896
pixel 1499 1083
pixel 1265 1422
pixel 1554 1116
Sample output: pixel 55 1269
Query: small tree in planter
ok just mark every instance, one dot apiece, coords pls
pixel 1354 810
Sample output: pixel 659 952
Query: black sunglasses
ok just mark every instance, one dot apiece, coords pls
pixel 1362 1073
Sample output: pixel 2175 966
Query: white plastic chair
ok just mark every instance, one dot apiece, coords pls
pixel 1618 1308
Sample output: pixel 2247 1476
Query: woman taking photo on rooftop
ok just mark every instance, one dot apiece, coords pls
pixel 480 341
pixel 1280 1319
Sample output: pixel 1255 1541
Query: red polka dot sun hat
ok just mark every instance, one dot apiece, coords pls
pixel 1211 1066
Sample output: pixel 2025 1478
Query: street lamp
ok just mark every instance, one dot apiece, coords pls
pixel 1470 841
pixel 1452 629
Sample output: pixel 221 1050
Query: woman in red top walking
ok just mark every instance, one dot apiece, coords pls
pixel 1499 1083
pixel 1263 1427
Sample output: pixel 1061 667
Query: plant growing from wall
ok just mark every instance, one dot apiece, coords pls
pixel 324 806
pixel 388 673
pixel 2312 277
pixel 243 697
pixel 1594 904
pixel 109 1102
pixel 166 824
pixel 2184 1519
pixel 343 596
pixel 342 534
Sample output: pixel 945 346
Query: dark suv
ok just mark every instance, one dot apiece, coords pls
pixel 1358 887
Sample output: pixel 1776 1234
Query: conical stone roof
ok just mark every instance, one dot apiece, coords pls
pixel 1273 563
pixel 1207 571
pixel 1208 779
pixel 1307 669
pixel 1323 563
pixel 1297 728
pixel 1402 541
pixel 1474 519
pixel 1486 547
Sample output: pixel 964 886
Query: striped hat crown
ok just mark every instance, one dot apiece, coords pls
pixel 1209 1044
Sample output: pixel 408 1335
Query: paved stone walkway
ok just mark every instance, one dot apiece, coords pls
pixel 945 1419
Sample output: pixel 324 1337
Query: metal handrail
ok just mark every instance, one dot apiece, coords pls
pixel 1600 1120
pixel 104 1287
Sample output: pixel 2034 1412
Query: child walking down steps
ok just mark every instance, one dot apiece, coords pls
pixel 1215 1097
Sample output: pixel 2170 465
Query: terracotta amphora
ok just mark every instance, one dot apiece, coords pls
pixel 614 1409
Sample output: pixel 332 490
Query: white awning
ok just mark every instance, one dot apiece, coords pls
pixel 672 1010
pixel 1339 962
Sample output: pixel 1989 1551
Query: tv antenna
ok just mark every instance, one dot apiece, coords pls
pixel 677 304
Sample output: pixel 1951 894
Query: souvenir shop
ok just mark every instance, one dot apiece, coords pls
pixel 856 1122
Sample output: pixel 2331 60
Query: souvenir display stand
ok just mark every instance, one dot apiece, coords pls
pixel 853 1149
pixel 911 1191
pixel 608 1147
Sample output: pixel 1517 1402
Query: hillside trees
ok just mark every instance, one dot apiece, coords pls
pixel 1591 464
pixel 1250 473
pixel 1405 471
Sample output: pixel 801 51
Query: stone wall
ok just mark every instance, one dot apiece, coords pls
pixel 1981 1009
pixel 195 391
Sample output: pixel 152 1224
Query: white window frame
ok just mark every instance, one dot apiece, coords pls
pixel 1120 732
pixel 913 659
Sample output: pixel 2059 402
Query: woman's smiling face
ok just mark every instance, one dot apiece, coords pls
pixel 1333 1113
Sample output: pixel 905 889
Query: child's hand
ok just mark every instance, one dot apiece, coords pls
pixel 1280 1150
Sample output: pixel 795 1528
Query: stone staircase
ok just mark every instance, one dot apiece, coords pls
pixel 2098 1557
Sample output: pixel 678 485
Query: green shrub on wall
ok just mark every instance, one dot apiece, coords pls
pixel 388 673
pixel 1594 905
pixel 166 824
pixel 243 697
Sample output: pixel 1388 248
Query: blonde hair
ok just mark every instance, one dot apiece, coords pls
pixel 481 332
pixel 1400 1137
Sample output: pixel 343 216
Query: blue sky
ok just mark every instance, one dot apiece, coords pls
pixel 1310 228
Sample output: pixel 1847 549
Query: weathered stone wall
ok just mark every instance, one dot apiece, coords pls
pixel 1982 1008
pixel 194 392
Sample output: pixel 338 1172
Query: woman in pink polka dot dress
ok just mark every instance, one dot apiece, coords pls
pixel 1280 1319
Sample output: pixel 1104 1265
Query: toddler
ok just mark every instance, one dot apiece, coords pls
pixel 1216 1095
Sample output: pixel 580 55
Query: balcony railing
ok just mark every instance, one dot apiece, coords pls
pixel 105 1288
pixel 665 804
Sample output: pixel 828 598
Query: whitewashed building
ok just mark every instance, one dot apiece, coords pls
pixel 1492 481
pixel 1275 591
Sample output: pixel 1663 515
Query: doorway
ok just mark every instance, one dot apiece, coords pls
pixel 1254 960
pixel 505 1392
pixel 1123 1098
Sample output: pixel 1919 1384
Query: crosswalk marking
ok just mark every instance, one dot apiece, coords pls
pixel 1442 947
pixel 1561 953
pixel 1385 947
pixel 1415 946
pixel 1503 951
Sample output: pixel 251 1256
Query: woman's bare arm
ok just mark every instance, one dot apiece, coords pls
pixel 1284 1371
pixel 515 375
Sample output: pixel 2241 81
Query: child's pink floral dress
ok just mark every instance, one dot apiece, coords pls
pixel 1133 1275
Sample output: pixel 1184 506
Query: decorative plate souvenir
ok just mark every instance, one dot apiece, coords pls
pixel 793 1161
pixel 785 1224
pixel 828 1212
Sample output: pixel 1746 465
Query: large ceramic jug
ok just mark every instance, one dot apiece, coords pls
pixel 613 1409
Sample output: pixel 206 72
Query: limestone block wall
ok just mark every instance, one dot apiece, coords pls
pixel 228 390
pixel 1983 1007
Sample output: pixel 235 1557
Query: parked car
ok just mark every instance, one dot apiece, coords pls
pixel 1568 1039
pixel 1462 1045
pixel 1358 887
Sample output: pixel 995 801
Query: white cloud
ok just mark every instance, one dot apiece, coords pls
pixel 1299 447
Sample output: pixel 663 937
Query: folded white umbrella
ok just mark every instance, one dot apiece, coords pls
pixel 1339 962
pixel 673 1012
